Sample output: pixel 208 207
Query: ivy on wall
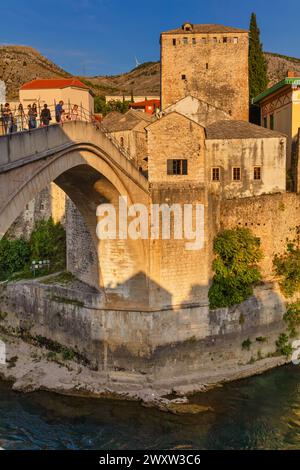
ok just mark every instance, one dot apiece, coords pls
pixel 235 266
pixel 287 266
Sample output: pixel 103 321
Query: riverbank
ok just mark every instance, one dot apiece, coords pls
pixel 30 368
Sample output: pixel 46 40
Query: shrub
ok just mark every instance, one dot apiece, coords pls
pixel 292 318
pixel 14 255
pixel 48 241
pixel 246 344
pixel 237 254
pixel 287 266
pixel 283 345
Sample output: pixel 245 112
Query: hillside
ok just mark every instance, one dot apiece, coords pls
pixel 20 64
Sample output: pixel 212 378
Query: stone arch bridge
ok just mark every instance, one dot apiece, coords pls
pixel 90 168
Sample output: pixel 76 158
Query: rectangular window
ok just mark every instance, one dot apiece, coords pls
pixel 257 173
pixel 272 121
pixel 215 174
pixel 177 167
pixel 185 41
pixel 235 40
pixel 236 174
pixel 174 42
pixel 225 39
pixel 215 40
pixel 206 65
pixel 265 122
pixel 194 41
pixel 203 40
pixel 183 77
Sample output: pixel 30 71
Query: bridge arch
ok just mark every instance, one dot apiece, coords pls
pixel 90 170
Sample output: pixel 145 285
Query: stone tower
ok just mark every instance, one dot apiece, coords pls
pixel 209 62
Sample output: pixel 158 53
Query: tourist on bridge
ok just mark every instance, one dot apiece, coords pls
pixel 58 111
pixel 20 118
pixel 12 127
pixel 45 116
pixel 74 113
pixel 32 115
pixel 5 117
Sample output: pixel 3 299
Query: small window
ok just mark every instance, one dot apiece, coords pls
pixel 235 40
pixel 194 41
pixel 42 207
pixel 215 40
pixel 272 121
pixel 185 41
pixel 236 174
pixel 257 173
pixel 122 141
pixel 225 40
pixel 183 77
pixel 265 122
pixel 206 65
pixel 215 174
pixel 177 167
pixel 174 42
pixel 203 40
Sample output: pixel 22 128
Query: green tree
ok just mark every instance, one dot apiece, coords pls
pixel 237 254
pixel 48 241
pixel 258 71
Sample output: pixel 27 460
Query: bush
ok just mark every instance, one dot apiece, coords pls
pixel 287 267
pixel 14 256
pixel 246 344
pixel 292 318
pixel 238 252
pixel 48 241
pixel 283 345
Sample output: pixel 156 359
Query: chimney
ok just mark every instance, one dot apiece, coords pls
pixel 291 74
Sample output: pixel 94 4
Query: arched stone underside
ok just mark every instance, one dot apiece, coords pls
pixel 90 176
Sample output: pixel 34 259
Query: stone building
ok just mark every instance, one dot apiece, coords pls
pixel 209 62
pixel 280 110
pixel 129 130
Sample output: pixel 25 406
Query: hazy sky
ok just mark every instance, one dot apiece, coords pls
pixel 95 37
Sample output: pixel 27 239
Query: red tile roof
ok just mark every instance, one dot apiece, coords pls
pixel 53 83
pixel 145 103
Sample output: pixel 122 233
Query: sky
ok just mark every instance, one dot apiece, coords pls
pixel 103 37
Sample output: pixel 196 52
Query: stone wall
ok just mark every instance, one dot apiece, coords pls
pixel 273 218
pixel 215 72
pixel 171 347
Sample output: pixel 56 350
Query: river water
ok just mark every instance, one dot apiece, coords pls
pixel 262 412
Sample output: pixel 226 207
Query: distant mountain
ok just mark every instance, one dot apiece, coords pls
pixel 20 64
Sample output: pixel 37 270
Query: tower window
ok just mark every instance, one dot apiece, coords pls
pixel 185 40
pixel 206 65
pixel 225 39
pixel 183 77
pixel 177 167
pixel 215 174
pixel 174 42
pixel 236 174
pixel 235 40
pixel 257 173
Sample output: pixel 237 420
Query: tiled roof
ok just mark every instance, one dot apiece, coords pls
pixel 206 29
pixel 116 121
pixel 238 130
pixel 53 83
pixel 145 103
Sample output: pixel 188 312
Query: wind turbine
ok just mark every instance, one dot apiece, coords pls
pixel 137 63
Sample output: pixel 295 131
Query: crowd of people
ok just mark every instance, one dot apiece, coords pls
pixel 32 118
